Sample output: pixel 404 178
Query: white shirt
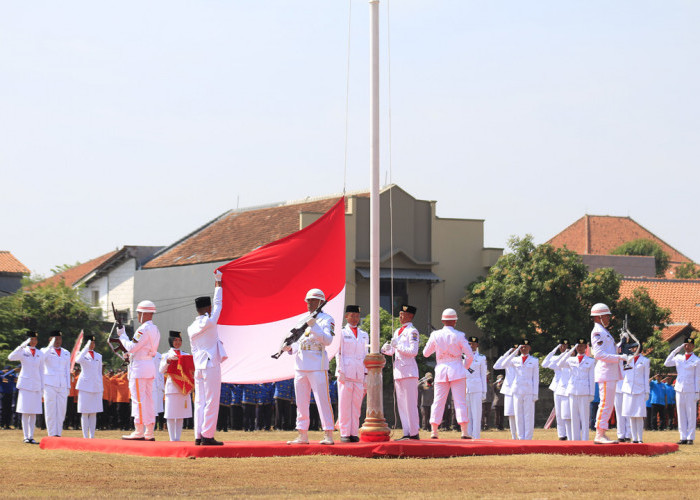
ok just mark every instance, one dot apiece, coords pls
pixel 581 374
pixel 636 380
pixel 526 374
pixel 604 350
pixel 207 349
pixel 407 340
pixel 56 367
pixel 507 385
pixel 448 345
pixel 688 379
pixel 310 349
pixel 351 354
pixel 142 349
pixel 31 376
pixel 90 379
pixel 561 373
pixel 170 386
pixel 476 379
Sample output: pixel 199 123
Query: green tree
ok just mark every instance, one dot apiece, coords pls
pixel 63 267
pixel 687 271
pixel 646 247
pixel 656 349
pixel 643 314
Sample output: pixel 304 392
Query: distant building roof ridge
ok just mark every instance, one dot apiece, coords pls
pixel 11 264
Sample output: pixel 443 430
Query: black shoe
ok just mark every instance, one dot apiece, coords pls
pixel 149 439
pixel 198 442
pixel 562 438
pixel 416 437
pixel 682 441
pixel 621 440
pixel 689 441
pixel 466 437
pixel 30 441
pixel 127 438
pixel 346 439
pixel 433 437
pixel 355 439
pixel 211 442
pixel 402 438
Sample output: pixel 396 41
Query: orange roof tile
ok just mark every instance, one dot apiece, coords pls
pixel 10 264
pixel 72 275
pixel 236 233
pixel 672 331
pixel 601 234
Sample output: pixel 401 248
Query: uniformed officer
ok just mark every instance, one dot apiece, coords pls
pixel 158 391
pixel 350 373
pixel 178 406
pixel 283 404
pixel 477 389
pixel 90 387
pixel 580 387
pixel 311 370
pixel 7 389
pixel 141 350
pixel 526 386
pixel 56 373
pixel 449 345
pixel 29 384
pixel 687 388
pixel 507 389
pixel 635 391
pixel 607 369
pixel 558 387
pixel 404 345
pixel 208 352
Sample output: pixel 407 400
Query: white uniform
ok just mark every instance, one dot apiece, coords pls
pixel 635 392
pixel 558 387
pixel 29 385
pixel 526 386
pixel 90 388
pixel 208 353
pixel 311 372
pixel 178 406
pixel 687 388
pixel 56 367
pixel 607 372
pixel 580 390
pixel 507 390
pixel 449 344
pixel 624 430
pixel 141 374
pixel 476 393
pixel 158 386
pixel 350 372
pixel 406 340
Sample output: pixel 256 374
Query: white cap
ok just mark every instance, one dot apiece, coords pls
pixel 449 315
pixel 315 293
pixel 146 306
pixel 600 310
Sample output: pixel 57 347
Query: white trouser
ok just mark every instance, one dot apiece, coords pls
pixel 304 383
pixel 512 427
pixel 474 410
pixel 55 403
pixel 623 423
pixel 88 423
pixel 407 403
pixel 207 391
pixel 687 410
pixel 175 428
pixel 563 413
pixel 636 428
pixel 350 394
pixel 524 406
pixel 142 408
pixel 580 417
pixel 607 402
pixel 28 424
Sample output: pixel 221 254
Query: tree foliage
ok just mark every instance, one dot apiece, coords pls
pixel 646 247
pixel 63 267
pixel 687 271
pixel 656 349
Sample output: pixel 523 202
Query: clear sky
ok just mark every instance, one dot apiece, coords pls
pixel 135 122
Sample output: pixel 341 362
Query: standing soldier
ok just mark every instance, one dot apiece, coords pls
pixel 507 389
pixel 687 388
pixel 449 345
pixel 158 392
pixel 283 404
pixel 57 383
pixel 178 406
pixel 350 373
pixel 526 387
pixel 311 370
pixel 476 389
pixel 208 353
pixel 427 396
pixel 635 391
pixel 580 388
pixel 404 344
pixel 558 387
pixel 141 349
pixel 90 387
pixel 29 384
pixel 9 379
pixel 607 369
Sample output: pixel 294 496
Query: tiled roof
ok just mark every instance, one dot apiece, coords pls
pixel 601 234
pixel 10 264
pixel 236 233
pixel 672 331
pixel 72 275
pixel 682 297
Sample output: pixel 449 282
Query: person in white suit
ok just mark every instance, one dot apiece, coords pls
pixel 687 388
pixel 141 350
pixel 158 391
pixel 526 386
pixel 56 367
pixel 350 373
pixel 30 384
pixel 449 345
pixel 507 390
pixel 558 387
pixel 476 388
pixel 635 392
pixel 208 353
pixel 178 406
pixel 404 346
pixel 90 387
pixel 580 388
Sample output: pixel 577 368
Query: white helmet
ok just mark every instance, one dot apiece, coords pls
pixel 146 306
pixel 315 293
pixel 449 315
pixel 600 309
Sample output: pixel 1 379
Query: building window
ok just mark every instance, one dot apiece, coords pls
pixel 400 295
pixel 95 297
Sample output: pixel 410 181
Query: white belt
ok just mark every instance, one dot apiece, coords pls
pixel 447 359
pixel 306 347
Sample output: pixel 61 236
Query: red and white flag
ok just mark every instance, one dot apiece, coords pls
pixel 76 349
pixel 264 295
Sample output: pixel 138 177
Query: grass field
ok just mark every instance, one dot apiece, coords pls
pixel 31 472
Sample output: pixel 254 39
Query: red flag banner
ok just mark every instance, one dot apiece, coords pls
pixel 264 293
pixel 182 373
pixel 76 349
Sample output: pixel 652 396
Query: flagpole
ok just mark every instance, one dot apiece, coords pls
pixel 374 427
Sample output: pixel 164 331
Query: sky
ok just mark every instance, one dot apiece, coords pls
pixel 134 123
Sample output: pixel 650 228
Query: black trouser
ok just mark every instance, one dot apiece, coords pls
pixel 314 419
pixel 124 411
pixel 658 415
pixel 485 414
pixel 671 416
pixel 283 415
pixel 425 417
pixel 499 417
pixel 248 417
pixel 6 418
pixel 237 417
pixel 223 420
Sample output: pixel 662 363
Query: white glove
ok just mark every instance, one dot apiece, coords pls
pixel 394 342
pixel 678 349
pixel 385 348
pixel 218 275
pixel 287 348
pixel 341 377
pixel 311 322
pixel 121 331
pixel 172 357
pixel 483 398
pixel 25 343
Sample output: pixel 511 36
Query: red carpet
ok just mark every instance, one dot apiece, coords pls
pixel 388 449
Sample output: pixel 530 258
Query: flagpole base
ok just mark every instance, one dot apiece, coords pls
pixel 374 427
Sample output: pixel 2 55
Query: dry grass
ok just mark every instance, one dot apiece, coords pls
pixel 31 472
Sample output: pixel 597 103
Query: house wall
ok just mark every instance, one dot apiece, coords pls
pixel 115 286
pixel 10 283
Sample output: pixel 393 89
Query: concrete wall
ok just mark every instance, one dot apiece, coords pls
pixel 116 286
pixel 626 265
pixel 10 284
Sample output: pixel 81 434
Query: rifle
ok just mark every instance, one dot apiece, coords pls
pixel 296 332
pixel 113 341
pixel 628 343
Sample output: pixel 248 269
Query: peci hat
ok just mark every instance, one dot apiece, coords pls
pixel 89 338
pixel 525 342
pixel 352 309
pixel 200 302
pixel 473 339
pixel 581 342
pixel 31 334
pixel 56 333
pixel 564 342
pixel 408 309
pixel 174 334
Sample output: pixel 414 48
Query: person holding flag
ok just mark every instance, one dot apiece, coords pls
pixel 178 400
pixel 90 387
pixel 56 373
pixel 30 383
